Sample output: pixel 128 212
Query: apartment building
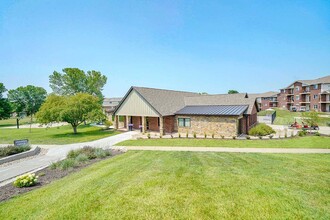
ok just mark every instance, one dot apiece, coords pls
pixel 306 95
pixel 266 100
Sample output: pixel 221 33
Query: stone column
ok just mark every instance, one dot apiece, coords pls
pixel 161 125
pixel 144 124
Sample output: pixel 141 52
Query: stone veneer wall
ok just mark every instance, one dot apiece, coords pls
pixel 219 125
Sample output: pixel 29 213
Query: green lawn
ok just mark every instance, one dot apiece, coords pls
pixel 298 142
pixel 56 135
pixel 185 185
pixel 12 122
pixel 285 117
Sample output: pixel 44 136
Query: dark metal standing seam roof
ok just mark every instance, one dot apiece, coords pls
pixel 230 110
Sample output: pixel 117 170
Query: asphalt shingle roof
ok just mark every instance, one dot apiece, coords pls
pixel 169 102
pixel 213 110
pixel 223 99
pixel 166 102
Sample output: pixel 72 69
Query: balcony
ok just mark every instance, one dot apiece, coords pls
pixel 305 92
pixel 290 94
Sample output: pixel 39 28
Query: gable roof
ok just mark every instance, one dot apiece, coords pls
pixel 111 102
pixel 165 102
pixel 325 79
pixel 223 99
pixel 233 110
pixel 169 102
pixel 265 94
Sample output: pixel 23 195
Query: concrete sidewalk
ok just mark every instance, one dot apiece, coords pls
pixel 231 149
pixel 55 153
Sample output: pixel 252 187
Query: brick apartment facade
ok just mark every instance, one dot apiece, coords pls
pixel 306 95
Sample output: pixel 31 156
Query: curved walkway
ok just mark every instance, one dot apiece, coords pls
pixel 55 153
pixel 230 149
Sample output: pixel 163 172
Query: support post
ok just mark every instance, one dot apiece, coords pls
pixel 161 125
pixel 127 122
pixel 116 122
pixel 144 124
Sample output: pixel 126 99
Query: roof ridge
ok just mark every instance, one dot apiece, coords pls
pixel 170 90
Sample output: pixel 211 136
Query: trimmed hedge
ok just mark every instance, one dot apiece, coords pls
pixel 261 130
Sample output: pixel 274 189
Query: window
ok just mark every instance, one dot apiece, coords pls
pixel 184 122
pixel 266 104
pixel 315 86
pixel 316 96
pixel 315 106
pixel 297 97
pixel 297 88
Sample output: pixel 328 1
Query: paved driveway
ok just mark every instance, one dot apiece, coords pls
pixel 55 153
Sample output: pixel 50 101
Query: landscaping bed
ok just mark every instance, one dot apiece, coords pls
pixel 48 175
pixel 12 150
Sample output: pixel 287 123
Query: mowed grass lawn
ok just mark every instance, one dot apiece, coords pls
pixel 12 122
pixel 55 135
pixel 297 142
pixel 185 185
pixel 285 117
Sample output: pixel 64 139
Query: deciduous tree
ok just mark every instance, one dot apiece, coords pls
pixel 74 80
pixel 5 107
pixel 73 109
pixel 232 91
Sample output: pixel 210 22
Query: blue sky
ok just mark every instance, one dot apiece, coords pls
pixel 202 46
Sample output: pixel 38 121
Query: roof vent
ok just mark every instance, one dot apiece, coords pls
pixel 246 96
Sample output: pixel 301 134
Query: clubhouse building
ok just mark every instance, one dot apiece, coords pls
pixel 168 111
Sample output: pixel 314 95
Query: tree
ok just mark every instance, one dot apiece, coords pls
pixel 311 118
pixel 73 109
pixel 232 91
pixel 27 99
pixel 5 107
pixel 74 80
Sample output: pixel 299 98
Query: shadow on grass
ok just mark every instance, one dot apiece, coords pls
pixel 95 133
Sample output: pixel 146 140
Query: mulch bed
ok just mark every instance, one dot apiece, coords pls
pixel 47 176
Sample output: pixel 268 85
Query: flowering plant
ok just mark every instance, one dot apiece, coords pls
pixel 26 180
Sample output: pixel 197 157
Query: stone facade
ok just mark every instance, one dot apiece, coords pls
pixel 217 125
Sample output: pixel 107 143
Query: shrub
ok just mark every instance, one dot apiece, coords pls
pixel 11 150
pixel 81 158
pixel 171 136
pixel 100 153
pixel 222 137
pixel 73 154
pixel 260 137
pixel 67 163
pixel 108 123
pixel 26 180
pixel 205 135
pixel 88 151
pixel 195 135
pixel 261 130
pixel 234 137
pixel 187 135
pixel 248 137
pixel 271 136
pixel 302 133
pixel 317 134
pixel 148 135
pixel 54 165
pixel 179 135
pixel 213 135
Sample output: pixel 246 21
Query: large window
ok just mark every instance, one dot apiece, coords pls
pixel 297 97
pixel 316 96
pixel 316 86
pixel 184 122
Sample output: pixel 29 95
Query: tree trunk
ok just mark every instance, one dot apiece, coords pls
pixel 74 129
pixel 31 123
